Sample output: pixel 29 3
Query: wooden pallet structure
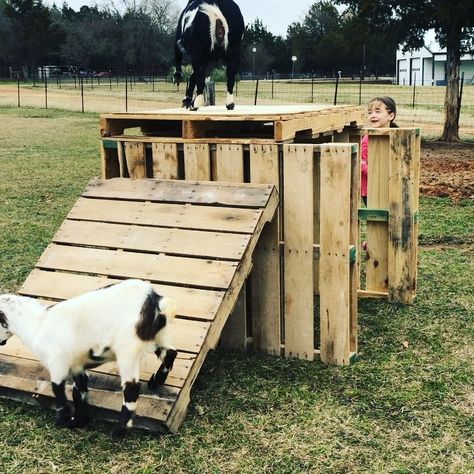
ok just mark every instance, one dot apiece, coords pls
pixel 193 241
pixel 183 203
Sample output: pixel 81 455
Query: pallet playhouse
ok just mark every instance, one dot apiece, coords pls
pixel 248 218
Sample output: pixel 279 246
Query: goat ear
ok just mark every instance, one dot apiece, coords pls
pixel 3 320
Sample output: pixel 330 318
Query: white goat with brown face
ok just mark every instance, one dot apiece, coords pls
pixel 120 322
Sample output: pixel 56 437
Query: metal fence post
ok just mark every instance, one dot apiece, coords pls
pixel 126 93
pixel 273 80
pixel 45 92
pixel 335 91
pixel 82 94
pixel 18 86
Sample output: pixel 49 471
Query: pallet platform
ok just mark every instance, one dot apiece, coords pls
pixel 193 241
pixel 275 123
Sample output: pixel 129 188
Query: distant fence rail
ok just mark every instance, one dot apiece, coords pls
pixel 105 92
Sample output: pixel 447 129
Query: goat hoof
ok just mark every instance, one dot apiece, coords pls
pixel 78 423
pixel 63 419
pixel 118 433
pixel 230 106
pixel 187 102
pixel 177 78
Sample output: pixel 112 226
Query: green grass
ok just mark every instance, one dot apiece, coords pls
pixel 406 406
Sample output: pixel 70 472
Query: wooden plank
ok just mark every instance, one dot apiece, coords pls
pixel 195 243
pixel 334 258
pixel 165 160
pixel 265 277
pixel 229 167
pixel 229 163
pixel 123 171
pixel 192 303
pixel 354 240
pixel 159 407
pixel 377 198
pixel 220 113
pixel 197 165
pixel 331 120
pixel 185 216
pixel 176 140
pixel 109 163
pixel 157 268
pixel 372 294
pixel 175 191
pixel 298 252
pixel 135 159
pixel 402 231
pixel 316 216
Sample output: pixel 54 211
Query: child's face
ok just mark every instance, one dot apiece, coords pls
pixel 379 116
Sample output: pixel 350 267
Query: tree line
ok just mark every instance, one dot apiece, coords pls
pixel 139 37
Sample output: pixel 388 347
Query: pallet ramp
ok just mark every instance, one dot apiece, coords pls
pixel 193 240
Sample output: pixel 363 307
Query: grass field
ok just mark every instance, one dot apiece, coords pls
pixel 406 406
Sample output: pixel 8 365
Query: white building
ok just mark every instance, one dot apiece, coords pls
pixel 427 66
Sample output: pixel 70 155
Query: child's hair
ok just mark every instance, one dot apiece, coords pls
pixel 390 105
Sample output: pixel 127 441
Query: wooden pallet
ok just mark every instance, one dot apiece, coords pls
pixel 193 240
pixel 276 123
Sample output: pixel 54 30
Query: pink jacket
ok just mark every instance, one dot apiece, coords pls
pixel 364 156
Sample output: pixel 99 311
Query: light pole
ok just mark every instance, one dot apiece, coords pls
pixel 293 58
pixel 254 50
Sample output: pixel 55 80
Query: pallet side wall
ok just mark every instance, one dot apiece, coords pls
pixel 286 273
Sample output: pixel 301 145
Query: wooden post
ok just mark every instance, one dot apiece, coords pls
pixel 377 198
pixel 197 165
pixel 135 159
pixel 230 168
pixel 298 250
pixel 165 160
pixel 334 254
pixel 354 240
pixel 265 276
pixel 402 226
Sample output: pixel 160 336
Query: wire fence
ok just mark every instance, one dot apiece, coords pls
pixel 421 106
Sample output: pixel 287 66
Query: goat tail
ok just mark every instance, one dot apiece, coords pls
pixel 168 307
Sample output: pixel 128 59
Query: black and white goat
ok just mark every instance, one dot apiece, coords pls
pixel 120 322
pixel 208 32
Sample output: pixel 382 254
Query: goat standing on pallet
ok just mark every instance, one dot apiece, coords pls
pixel 209 31
pixel 121 322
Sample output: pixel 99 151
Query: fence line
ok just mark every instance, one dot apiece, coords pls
pixel 120 93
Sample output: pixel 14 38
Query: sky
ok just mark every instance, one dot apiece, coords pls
pixel 282 12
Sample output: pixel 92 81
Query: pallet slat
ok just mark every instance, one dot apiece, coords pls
pixel 194 303
pixel 152 239
pixel 334 281
pixel 157 268
pixel 298 233
pixel 185 216
pixel 234 195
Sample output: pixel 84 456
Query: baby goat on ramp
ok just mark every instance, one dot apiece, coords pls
pixel 121 322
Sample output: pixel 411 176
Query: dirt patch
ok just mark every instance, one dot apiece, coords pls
pixel 447 170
